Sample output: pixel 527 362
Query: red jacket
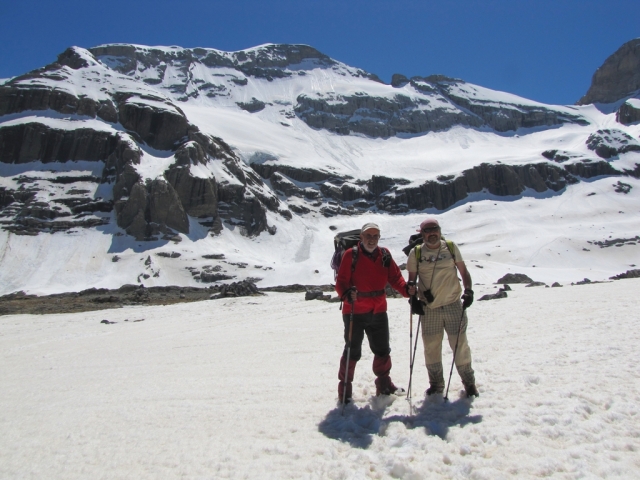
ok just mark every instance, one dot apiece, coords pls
pixel 369 276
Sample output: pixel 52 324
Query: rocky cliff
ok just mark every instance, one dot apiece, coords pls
pixel 422 105
pixel 617 78
pixel 131 122
pixel 333 195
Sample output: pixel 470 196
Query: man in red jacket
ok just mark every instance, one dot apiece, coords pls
pixel 361 284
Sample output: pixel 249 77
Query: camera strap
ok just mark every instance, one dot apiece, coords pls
pixel 435 264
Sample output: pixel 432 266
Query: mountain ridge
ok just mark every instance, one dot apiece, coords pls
pixel 176 144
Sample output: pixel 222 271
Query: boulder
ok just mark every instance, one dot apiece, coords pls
pixel 314 294
pixel 494 296
pixel 515 278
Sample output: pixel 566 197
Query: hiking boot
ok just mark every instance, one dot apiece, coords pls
pixel 347 401
pixel 471 390
pixel 434 389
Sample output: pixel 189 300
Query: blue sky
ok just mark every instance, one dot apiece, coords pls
pixel 545 50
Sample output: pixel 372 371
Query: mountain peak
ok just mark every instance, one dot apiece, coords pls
pixel 618 77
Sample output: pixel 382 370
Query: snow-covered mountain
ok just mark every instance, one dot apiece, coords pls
pixel 164 165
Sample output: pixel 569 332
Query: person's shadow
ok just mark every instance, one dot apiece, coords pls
pixel 359 424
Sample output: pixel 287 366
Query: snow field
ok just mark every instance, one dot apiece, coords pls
pixel 246 388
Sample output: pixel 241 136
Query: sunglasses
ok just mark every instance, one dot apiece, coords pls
pixel 430 229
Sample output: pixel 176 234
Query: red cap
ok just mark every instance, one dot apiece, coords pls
pixel 429 222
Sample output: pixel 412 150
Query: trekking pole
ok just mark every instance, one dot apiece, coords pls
pixel 410 344
pixel 446 395
pixel 346 363
pixel 413 360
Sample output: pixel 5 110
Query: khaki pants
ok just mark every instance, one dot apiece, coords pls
pixel 434 323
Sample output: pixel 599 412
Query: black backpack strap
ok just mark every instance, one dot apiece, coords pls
pixel 354 260
pixel 386 257
pixel 354 257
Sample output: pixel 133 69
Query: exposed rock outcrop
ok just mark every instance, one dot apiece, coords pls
pixel 15 98
pixel 159 124
pixel 629 112
pixel 618 77
pixel 502 116
pixel 377 116
pixel 635 273
pixel 432 104
pixel 237 289
pixel 394 195
pixel 199 196
pixel 29 142
pixel 305 175
pixel 610 142
pixel 253 106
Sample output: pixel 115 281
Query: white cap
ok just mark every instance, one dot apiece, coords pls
pixel 368 226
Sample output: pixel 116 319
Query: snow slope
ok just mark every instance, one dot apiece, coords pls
pixel 549 238
pixel 246 388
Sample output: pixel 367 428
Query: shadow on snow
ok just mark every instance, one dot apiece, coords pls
pixel 359 425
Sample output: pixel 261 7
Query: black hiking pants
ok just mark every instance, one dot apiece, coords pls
pixel 376 326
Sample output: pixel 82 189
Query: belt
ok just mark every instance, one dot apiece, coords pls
pixel 375 293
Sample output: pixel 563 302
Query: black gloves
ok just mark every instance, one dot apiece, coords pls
pixel 408 285
pixel 417 307
pixel 467 298
pixel 346 296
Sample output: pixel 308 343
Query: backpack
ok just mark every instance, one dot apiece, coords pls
pixel 416 241
pixel 342 242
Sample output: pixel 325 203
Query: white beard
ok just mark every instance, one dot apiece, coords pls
pixel 366 247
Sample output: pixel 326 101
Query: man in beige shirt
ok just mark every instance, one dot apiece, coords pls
pixel 437 267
